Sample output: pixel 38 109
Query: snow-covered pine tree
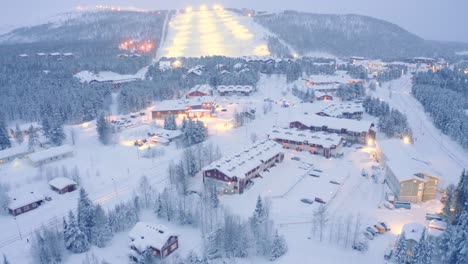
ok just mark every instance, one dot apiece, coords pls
pixel 447 211
pixel 19 137
pixel 101 232
pixel 278 247
pixel 75 240
pixel 32 138
pixel 4 199
pixel 422 251
pixel 461 194
pixel 86 214
pixel 214 244
pixel 401 254
pixel 104 129
pixel 56 133
pixel 4 135
pixel 5 260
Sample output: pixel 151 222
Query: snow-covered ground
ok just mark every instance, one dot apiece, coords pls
pixel 208 32
pixel 110 174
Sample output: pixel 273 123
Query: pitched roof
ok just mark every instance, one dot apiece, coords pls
pixel 334 123
pixel 326 140
pixel 50 153
pixel 146 235
pixel 23 200
pixel 61 182
pixel 239 164
pixel 413 231
pixel 15 151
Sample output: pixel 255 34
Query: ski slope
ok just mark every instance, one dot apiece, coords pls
pixel 208 32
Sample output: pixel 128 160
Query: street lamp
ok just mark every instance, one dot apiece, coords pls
pixel 19 231
pixel 115 187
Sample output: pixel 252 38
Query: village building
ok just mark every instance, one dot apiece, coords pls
pixel 164 65
pixel 413 234
pixel 323 96
pixel 23 55
pixel 164 136
pixel 24 203
pixel 407 174
pixel 350 130
pixel 234 174
pixel 320 143
pixel 196 70
pixel 200 90
pixel 194 107
pixel 155 238
pixel 343 110
pixel 10 154
pixel 234 89
pixel 50 155
pixel 62 185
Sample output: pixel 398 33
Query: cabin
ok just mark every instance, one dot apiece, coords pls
pixel 24 203
pixel 10 154
pixel 351 130
pixel 236 173
pixel 200 90
pixel 319 143
pixel 50 155
pixel 407 174
pixel 62 185
pixel 234 89
pixel 150 237
pixel 194 107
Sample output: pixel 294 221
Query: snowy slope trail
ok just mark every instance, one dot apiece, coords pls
pixel 443 154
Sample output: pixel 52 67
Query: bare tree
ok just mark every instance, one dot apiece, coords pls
pixel 321 218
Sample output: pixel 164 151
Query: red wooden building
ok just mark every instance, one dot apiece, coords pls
pixel 25 203
pixel 62 185
pixel 155 238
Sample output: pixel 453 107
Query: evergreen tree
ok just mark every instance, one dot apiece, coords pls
pixel 56 134
pixel 86 214
pixel 422 252
pixel 278 247
pixel 75 240
pixel 104 129
pixel 32 138
pixel 461 194
pixel 448 210
pixel 4 199
pixel 19 137
pixel 101 232
pixel 4 135
pixel 401 254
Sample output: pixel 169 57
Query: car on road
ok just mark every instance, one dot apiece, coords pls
pixel 360 246
pixel 307 201
pixel 384 225
pixel 389 205
pixel 372 231
pixel 314 175
pixel 388 254
pixel 319 200
pixel 224 110
pixel 369 236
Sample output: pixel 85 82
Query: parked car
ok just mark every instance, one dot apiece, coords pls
pixel 142 114
pixel 368 235
pixel 314 175
pixel 401 204
pixel 224 110
pixel 388 254
pixel 317 170
pixel 335 182
pixel 388 205
pixel 360 246
pixel 138 143
pixel 384 225
pixel 430 217
pixel 307 201
pixel 318 200
pixel 296 158
pixel 133 116
pixel 372 231
pixel 380 229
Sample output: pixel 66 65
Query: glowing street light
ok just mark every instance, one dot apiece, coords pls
pixel 203 8
pixel 188 9
pixel 406 140
pixel 177 64
pixel 370 142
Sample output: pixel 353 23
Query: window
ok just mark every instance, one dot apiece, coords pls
pixel 18 211
pixel 34 205
pixel 173 246
pixel 165 252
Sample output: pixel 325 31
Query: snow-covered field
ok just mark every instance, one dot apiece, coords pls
pixel 205 32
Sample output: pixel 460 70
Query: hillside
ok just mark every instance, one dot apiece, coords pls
pixel 97 26
pixel 348 35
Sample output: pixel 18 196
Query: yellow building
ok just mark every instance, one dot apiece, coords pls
pixel 408 174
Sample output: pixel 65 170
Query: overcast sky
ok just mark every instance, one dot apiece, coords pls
pixel 430 19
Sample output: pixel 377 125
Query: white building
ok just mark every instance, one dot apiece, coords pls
pixel 233 174
pixel 407 173
pixel 50 155
pixel 9 154
pixel 343 110
pixel 321 143
pixel 155 238
pixel 235 89
pixel 200 90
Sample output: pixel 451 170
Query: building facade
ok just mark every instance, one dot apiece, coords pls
pixel 154 238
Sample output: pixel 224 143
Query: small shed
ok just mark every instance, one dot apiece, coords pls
pixel 24 203
pixel 62 185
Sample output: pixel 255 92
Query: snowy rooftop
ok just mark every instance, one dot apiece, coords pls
pixel 182 104
pixel 61 182
pixel 413 231
pixel 23 200
pixel 198 70
pixel 334 123
pixel 146 235
pixel 326 140
pixel 404 161
pixel 338 109
pixel 15 151
pixel 203 88
pixel 235 88
pixel 168 134
pixel 241 163
pixel 50 153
